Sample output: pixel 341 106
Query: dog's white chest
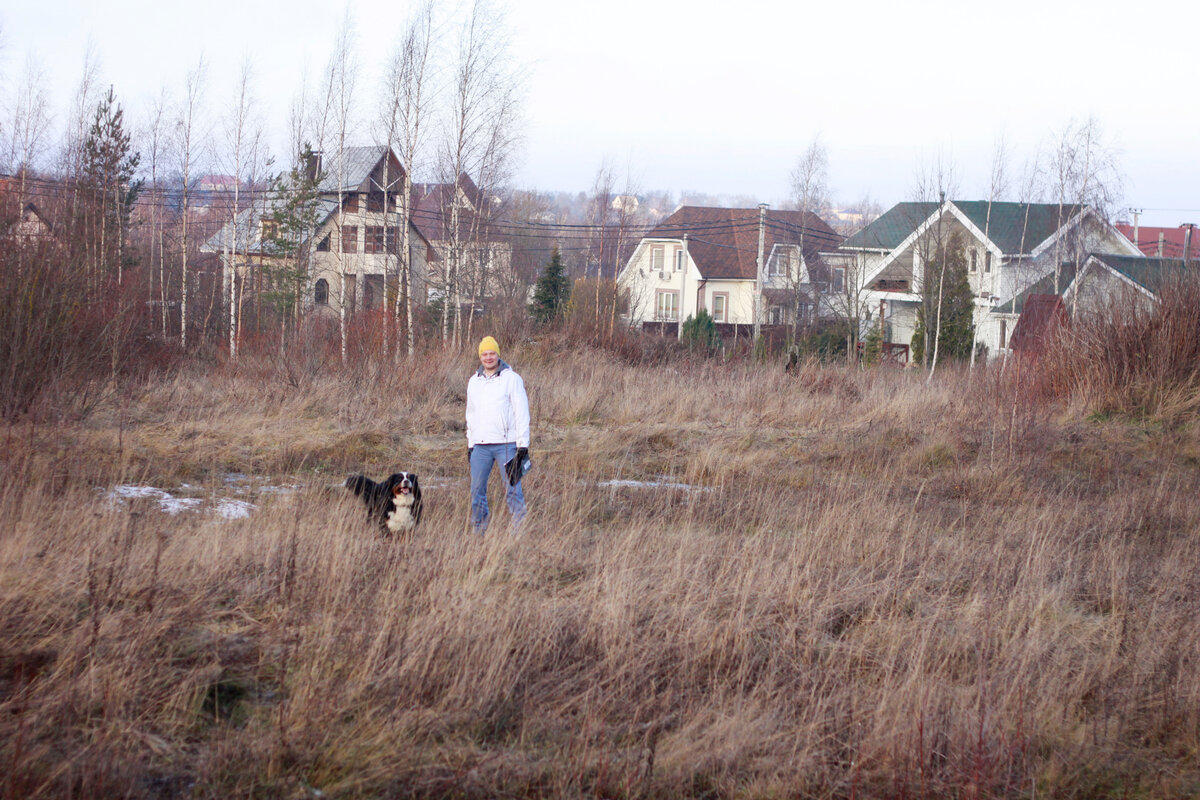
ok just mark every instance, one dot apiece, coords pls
pixel 401 518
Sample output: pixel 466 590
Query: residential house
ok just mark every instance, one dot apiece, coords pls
pixel 1180 242
pixel 1102 284
pixel 351 258
pixel 1007 248
pixel 468 254
pixel 31 228
pixel 707 258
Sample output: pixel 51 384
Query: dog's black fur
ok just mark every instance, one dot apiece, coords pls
pixel 394 504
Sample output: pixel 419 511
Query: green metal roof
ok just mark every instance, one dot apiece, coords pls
pixel 1017 228
pixel 892 228
pixel 1147 272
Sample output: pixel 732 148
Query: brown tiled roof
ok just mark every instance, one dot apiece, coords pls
pixel 723 242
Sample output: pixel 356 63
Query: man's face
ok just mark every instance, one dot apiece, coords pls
pixel 490 360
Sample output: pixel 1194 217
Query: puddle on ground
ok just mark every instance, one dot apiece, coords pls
pixel 227 502
pixel 184 498
pixel 659 484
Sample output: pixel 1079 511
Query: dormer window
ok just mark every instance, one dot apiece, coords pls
pixel 781 264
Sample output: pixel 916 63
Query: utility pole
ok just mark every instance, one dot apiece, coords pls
pixel 1137 212
pixel 758 277
pixel 682 289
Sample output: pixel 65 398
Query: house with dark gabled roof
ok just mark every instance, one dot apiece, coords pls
pixel 352 255
pixel 468 252
pixel 707 258
pixel 1008 247
pixel 1104 283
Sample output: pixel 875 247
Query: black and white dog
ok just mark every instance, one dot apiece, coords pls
pixel 395 504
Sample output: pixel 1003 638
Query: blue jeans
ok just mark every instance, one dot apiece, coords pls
pixel 483 456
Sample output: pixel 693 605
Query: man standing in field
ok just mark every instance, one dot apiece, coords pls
pixel 497 432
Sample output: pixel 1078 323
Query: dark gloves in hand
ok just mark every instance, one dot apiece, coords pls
pixel 516 468
pixel 469 451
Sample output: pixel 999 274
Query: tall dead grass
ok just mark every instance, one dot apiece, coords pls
pixel 842 584
pixel 1132 355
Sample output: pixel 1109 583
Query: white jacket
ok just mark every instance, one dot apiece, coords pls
pixel 497 408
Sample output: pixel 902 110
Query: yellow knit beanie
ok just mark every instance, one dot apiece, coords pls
pixel 489 343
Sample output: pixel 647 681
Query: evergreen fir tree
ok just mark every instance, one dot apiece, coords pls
pixel 109 164
pixel 552 291
pixel 956 334
pixel 700 332
pixel 287 230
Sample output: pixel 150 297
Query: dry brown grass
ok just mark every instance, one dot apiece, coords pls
pixel 876 588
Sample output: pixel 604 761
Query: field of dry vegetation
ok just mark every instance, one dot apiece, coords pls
pixel 732 583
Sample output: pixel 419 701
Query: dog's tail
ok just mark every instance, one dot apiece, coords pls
pixel 358 484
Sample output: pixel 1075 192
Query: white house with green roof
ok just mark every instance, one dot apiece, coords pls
pixel 1008 247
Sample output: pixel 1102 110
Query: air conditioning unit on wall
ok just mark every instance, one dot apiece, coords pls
pixel 662 276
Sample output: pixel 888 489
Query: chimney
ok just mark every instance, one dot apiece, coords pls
pixel 313 167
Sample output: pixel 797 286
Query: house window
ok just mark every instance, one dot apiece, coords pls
pixel 350 203
pixel 720 306
pixel 974 260
pixel 373 292
pixel 775 315
pixel 679 259
pixel 987 261
pixel 375 202
pixel 839 279
pixel 374 239
pixel 321 292
pixel 323 245
pixel 666 305
pixel 1003 333
pixel 780 265
pixel 350 239
pixel 657 254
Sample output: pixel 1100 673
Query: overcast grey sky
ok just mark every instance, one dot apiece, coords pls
pixel 713 97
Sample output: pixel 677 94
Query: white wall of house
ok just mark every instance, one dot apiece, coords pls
pixel 662 287
pixel 662 284
pixel 1100 288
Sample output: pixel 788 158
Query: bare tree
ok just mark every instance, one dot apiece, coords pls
pixel 407 99
pixel 188 142
pixel 83 106
pixel 1086 173
pixel 493 172
pixel 243 136
pixel 481 97
pixel 154 137
pixel 935 182
pixel 340 77
pixel 997 189
pixel 29 123
pixel 810 193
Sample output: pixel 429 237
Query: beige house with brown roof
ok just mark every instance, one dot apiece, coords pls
pixel 707 258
